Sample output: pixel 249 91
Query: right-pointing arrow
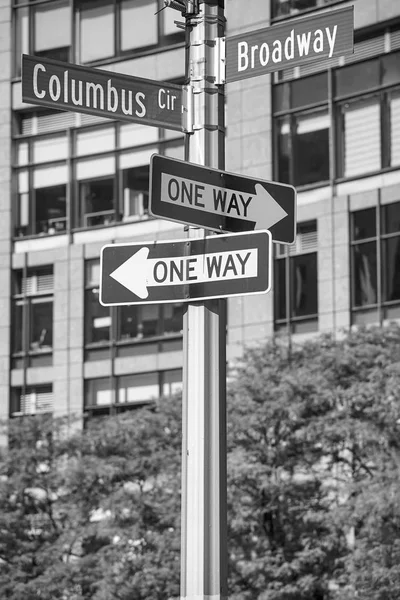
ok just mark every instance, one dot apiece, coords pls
pixel 266 211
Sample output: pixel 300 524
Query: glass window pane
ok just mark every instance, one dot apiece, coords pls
pixel 391 218
pixel 304 295
pixel 362 144
pixel 41 325
pixel 280 289
pixel 309 90
pixel 281 97
pixel 364 224
pixel 311 148
pixel 391 270
pixel 98 392
pixel 168 18
pixel 52 26
pixel 173 318
pixel 357 78
pixel 365 274
pixel 284 150
pixel 172 382
pixel 97 318
pixel 50 149
pixel 391 69
pixel 97 30
pixel 46 176
pixel 97 202
pixel 136 135
pixel 136 192
pixel 130 324
pixel 135 13
pixel 92 272
pixel 394 129
pixel 21 37
pixel 50 209
pixel 95 140
pixel 17 328
pixel 138 388
pixel 23 153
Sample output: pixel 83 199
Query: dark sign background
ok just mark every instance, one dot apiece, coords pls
pixel 344 42
pixel 171 119
pixel 285 195
pixel 114 255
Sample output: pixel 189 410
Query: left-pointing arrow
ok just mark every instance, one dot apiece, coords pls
pixel 132 274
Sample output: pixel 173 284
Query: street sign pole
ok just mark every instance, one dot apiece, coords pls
pixel 204 520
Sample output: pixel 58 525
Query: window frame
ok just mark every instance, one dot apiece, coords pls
pixel 29 356
pixel 382 308
pixel 287 255
pixel 23 154
pixel 163 40
pixel 90 409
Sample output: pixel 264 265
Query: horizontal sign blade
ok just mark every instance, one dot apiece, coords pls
pixel 291 43
pixel 186 270
pixel 221 201
pixel 65 86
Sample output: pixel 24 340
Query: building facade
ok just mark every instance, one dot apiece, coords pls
pixel 70 183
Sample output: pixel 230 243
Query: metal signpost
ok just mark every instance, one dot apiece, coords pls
pixel 221 201
pixel 290 44
pixel 93 91
pixel 202 269
pixel 185 270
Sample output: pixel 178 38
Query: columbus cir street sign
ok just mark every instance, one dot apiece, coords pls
pixel 289 44
pixel 186 270
pixel 221 201
pixel 66 86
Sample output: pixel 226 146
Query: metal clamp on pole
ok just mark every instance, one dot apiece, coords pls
pixel 188 111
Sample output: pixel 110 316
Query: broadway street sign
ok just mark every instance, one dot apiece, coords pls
pixel 66 86
pixel 221 201
pixel 186 270
pixel 292 43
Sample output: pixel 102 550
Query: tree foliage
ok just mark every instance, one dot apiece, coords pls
pixel 93 515
pixel 313 486
pixel 314 463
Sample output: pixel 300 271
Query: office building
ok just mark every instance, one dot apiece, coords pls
pixel 70 183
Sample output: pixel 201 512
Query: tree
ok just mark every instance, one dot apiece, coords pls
pixel 313 486
pixel 313 439
pixel 93 515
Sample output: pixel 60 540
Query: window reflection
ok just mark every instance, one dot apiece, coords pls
pixel 96 30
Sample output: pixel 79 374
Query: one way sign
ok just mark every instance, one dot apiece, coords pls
pixel 186 270
pixel 221 201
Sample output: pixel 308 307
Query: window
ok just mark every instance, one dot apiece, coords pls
pixel 107 395
pixel 43 29
pixel 97 316
pixel 375 263
pixel 31 400
pixel 92 176
pixel 302 135
pixel 296 282
pixel 32 340
pixel 124 325
pixel 364 122
pixel 286 8
pixel 97 201
pixel 368 126
pixel 99 29
pixel 42 186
